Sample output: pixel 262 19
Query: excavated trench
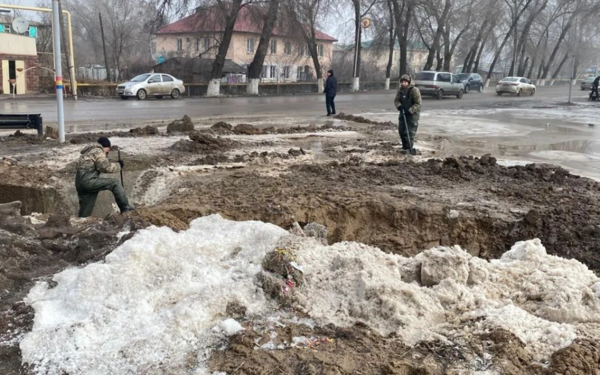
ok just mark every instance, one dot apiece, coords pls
pixel 33 199
pixel 483 208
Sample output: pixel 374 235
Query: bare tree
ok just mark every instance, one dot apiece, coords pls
pixel 305 16
pixel 518 7
pixel 361 9
pixel 127 33
pixel 255 68
pixel 403 14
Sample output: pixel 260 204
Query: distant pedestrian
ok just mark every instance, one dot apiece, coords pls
pixel 408 102
pixel 595 95
pixel 330 93
pixel 92 162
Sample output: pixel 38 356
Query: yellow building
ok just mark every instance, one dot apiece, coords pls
pixel 287 60
pixel 18 53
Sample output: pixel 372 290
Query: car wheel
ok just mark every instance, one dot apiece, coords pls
pixel 460 94
pixel 175 94
pixel 518 93
pixel 440 94
pixel 480 88
pixel 159 96
pixel 124 97
pixel 533 92
pixel 142 94
pixel 467 89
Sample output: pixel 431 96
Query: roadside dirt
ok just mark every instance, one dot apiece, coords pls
pixel 360 189
pixel 356 350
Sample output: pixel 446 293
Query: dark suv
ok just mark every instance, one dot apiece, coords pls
pixel 472 81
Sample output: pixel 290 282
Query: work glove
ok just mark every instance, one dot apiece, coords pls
pixel 121 163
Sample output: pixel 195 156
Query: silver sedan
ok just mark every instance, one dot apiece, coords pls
pixel 516 86
pixel 151 84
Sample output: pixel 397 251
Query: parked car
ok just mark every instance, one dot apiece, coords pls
pixel 439 84
pixel 587 83
pixel 471 81
pixel 516 86
pixel 151 84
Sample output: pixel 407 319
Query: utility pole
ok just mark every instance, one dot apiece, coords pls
pixel 58 69
pixel 572 78
pixel 104 46
pixel 69 62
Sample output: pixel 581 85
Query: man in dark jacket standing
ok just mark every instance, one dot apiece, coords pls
pixel 92 162
pixel 408 102
pixel 330 93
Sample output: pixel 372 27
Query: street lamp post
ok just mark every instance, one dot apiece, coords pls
pixel 58 67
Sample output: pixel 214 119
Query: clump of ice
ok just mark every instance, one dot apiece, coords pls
pixel 230 327
pixel 152 304
pixel 159 301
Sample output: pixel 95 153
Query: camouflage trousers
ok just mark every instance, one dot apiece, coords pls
pixel 88 189
pixel 408 131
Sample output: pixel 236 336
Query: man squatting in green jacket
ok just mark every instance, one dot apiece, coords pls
pixel 408 102
pixel 92 162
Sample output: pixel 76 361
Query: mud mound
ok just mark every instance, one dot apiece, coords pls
pixel 32 139
pixel 580 358
pixel 203 143
pixel 362 120
pixel 246 129
pixel 83 138
pixel 145 131
pixel 160 219
pixel 222 128
pixel 181 126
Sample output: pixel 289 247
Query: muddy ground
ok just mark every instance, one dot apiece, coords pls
pixel 346 174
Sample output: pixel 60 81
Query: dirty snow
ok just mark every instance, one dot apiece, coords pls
pixel 152 304
pixel 155 302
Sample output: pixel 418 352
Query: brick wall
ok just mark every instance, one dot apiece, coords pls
pixel 32 77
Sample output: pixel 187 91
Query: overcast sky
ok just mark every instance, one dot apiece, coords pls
pixel 338 26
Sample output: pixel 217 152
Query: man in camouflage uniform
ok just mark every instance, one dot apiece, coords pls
pixel 92 162
pixel 408 102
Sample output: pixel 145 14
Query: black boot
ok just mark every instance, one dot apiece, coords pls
pixel 413 151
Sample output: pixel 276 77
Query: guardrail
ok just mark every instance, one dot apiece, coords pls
pixel 22 121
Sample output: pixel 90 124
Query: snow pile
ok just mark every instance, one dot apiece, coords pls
pixel 158 304
pixel 153 304
pixel 541 299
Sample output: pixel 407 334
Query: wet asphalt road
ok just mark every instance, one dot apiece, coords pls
pixel 94 113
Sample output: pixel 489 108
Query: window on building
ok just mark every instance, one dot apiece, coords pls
pixel 300 51
pixel 321 50
pixel 206 44
pixel 299 73
pixel 288 48
pixel 273 47
pixel 179 44
pixel 263 73
pixel 273 72
pixel 250 45
pixel 197 44
pixel 286 72
pixel 307 50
